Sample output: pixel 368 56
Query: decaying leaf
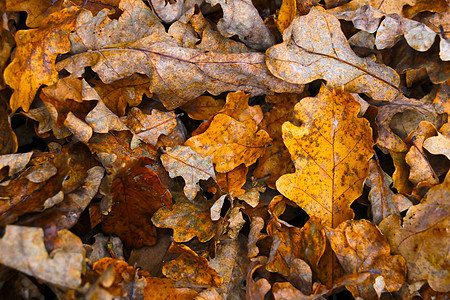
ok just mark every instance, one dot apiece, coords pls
pixel 384 201
pixel 34 63
pixel 439 144
pixel 422 238
pixel 183 161
pixel 315 48
pixel 360 247
pixel 180 219
pixel 191 267
pixel 330 151
pixel 137 194
pixel 23 249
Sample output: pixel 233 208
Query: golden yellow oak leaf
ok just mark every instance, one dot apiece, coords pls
pixel 34 61
pixel 230 142
pixel 330 151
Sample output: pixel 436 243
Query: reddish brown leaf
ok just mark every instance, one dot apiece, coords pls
pixel 137 194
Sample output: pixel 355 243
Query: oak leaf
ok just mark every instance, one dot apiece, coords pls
pixel 439 144
pixel 34 61
pixel 137 193
pixel 422 237
pixel 330 151
pixel 242 18
pixel 190 267
pixel 23 249
pixel 203 107
pixel 148 127
pixel 360 247
pixel 314 47
pixel 276 160
pixel 230 143
pixel 185 162
pixel 231 182
pixel 386 6
pixel 177 74
pixel 384 201
pixel 180 219
pixel 8 139
pixel 16 162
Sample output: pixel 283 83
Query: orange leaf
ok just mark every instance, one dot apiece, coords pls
pixel 360 247
pixel 137 194
pixel 203 107
pixel 190 267
pixel 330 151
pixel 37 49
pixel 149 127
pixel 181 220
pixel 231 182
pixel 230 143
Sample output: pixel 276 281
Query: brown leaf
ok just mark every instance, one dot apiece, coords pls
pixel 420 167
pixel 149 127
pixel 23 249
pixel 386 6
pixel 190 267
pixel 177 74
pixel 360 247
pixel 120 93
pixel 330 151
pixel 241 18
pixel 276 160
pixel 203 107
pixel 183 161
pixel 34 61
pixel 422 237
pixel 384 201
pixel 39 10
pixel 230 143
pixel 137 194
pixel 314 47
pixel 15 162
pixel 8 139
pixel 256 289
pixel 180 219
pixel 397 120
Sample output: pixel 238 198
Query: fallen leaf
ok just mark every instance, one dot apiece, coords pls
pixel 148 127
pixel 439 144
pixel 360 247
pixel 422 238
pixel 330 151
pixel 191 267
pixel 420 168
pixel 276 160
pixel 315 48
pixel 256 289
pixel 181 220
pixel 203 107
pixel 16 162
pixel 386 6
pixel 149 50
pixel 241 18
pixel 8 139
pixel 137 193
pixel 23 249
pixel 384 201
pixel 34 61
pixel 230 143
pixel 183 161
pixel 231 182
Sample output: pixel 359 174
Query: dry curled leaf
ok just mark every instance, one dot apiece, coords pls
pixel 314 47
pixel 183 161
pixel 23 249
pixel 360 247
pixel 191 267
pixel 422 237
pixel 330 151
